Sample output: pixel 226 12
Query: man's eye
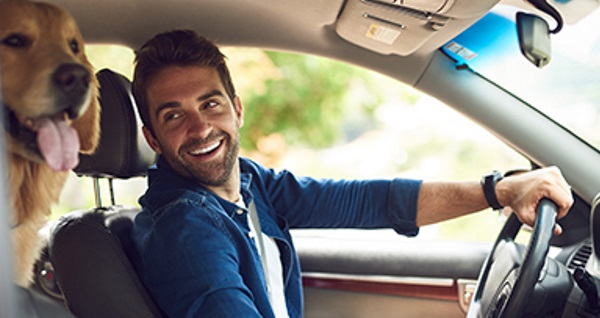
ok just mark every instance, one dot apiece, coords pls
pixel 171 116
pixel 211 104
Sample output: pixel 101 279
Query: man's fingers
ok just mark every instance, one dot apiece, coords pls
pixel 563 197
pixel 527 189
pixel 558 229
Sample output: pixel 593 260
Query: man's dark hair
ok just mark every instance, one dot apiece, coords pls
pixel 175 48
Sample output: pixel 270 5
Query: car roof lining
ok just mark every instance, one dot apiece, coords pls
pixel 306 27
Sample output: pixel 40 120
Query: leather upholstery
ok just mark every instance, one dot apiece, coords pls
pixel 91 250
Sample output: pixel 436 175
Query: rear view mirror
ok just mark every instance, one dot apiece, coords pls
pixel 534 38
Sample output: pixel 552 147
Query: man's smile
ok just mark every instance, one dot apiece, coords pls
pixel 206 149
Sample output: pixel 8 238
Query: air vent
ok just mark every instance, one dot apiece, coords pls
pixel 581 257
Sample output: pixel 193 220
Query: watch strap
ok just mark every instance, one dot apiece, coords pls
pixel 488 183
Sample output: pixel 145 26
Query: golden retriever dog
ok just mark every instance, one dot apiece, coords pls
pixel 51 113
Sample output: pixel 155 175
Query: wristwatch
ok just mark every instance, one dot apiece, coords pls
pixel 488 183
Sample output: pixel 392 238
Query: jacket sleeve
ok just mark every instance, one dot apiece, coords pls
pixel 326 203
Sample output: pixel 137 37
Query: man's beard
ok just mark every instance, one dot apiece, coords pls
pixel 212 173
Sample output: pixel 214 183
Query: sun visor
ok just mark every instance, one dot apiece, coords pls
pixel 402 27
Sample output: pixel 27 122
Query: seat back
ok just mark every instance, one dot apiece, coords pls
pixel 91 250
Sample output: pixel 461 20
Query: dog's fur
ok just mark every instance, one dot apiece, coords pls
pixel 45 77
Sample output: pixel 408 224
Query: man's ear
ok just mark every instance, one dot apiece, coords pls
pixel 239 111
pixel 152 142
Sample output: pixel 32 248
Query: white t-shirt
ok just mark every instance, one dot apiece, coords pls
pixel 275 270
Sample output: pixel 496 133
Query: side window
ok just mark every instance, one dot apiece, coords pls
pixel 328 119
pixel 115 57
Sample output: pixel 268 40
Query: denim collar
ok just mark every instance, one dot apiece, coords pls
pixel 162 169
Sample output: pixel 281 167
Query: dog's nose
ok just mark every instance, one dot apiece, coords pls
pixel 73 81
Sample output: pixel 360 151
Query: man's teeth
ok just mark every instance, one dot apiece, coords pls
pixel 206 149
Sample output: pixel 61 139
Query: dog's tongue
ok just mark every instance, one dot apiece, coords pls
pixel 58 143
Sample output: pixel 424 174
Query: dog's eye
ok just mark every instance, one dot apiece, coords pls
pixel 74 45
pixel 16 40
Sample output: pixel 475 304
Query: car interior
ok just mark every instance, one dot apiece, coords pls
pixel 88 268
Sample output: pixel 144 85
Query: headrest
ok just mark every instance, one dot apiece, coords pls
pixel 122 152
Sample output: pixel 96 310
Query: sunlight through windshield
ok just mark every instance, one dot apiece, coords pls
pixel 567 89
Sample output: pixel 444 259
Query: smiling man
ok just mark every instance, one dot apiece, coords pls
pixel 214 230
pixel 199 128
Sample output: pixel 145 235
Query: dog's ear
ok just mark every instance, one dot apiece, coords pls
pixel 88 125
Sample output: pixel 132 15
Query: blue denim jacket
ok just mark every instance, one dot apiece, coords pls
pixel 198 259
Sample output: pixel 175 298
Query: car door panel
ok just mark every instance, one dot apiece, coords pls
pixel 360 277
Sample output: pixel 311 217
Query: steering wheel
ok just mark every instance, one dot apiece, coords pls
pixel 509 274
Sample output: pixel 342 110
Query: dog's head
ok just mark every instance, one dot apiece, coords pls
pixel 49 91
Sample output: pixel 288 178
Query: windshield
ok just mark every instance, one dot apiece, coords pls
pixel 567 89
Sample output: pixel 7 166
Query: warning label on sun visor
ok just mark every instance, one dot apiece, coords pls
pixel 382 34
pixel 460 51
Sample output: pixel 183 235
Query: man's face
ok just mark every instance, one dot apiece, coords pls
pixel 196 125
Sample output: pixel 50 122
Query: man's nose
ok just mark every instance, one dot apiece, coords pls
pixel 198 126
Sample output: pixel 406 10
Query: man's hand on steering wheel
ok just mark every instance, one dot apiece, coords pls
pixel 522 193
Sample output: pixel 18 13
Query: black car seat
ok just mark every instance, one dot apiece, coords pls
pixel 91 250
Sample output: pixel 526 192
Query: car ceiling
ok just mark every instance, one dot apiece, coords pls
pixel 308 26
pixel 301 26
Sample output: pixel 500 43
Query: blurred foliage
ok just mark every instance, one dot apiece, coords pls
pixel 115 57
pixel 305 101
